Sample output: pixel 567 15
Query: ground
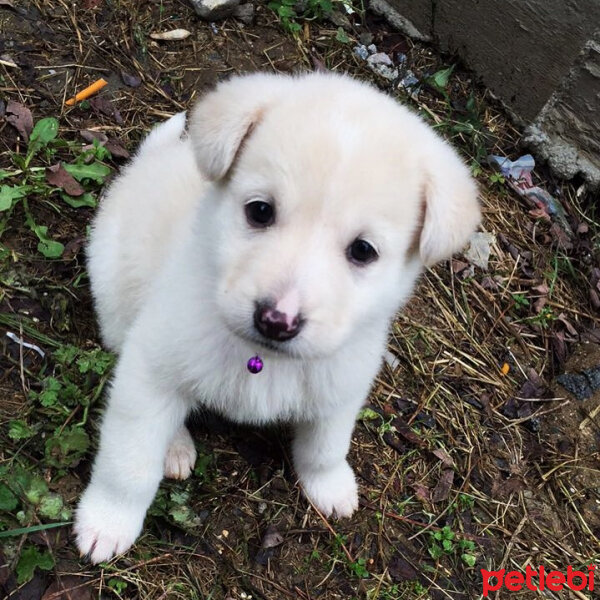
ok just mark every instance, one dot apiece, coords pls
pixel 469 455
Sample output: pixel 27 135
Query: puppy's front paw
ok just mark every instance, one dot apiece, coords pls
pixel 105 527
pixel 181 456
pixel 332 491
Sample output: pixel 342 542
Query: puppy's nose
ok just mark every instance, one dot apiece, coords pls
pixel 274 324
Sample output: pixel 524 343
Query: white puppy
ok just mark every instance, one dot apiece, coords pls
pixel 292 222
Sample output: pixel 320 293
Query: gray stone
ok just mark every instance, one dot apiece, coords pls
pixel 213 10
pixel 540 58
pixel 244 13
pixel 382 64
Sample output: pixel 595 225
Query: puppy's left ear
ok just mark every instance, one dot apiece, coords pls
pixel 224 118
pixel 451 206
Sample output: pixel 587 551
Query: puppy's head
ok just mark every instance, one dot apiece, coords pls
pixel 328 199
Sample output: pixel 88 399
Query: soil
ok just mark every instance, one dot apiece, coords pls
pixel 507 462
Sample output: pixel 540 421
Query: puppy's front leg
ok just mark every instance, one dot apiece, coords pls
pixel 140 420
pixel 319 451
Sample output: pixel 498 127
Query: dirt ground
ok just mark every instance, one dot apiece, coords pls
pixel 469 455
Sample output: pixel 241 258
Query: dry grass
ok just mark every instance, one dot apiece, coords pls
pixel 507 461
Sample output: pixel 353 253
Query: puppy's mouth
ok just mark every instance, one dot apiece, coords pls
pixel 257 340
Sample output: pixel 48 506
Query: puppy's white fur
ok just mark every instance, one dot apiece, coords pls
pixel 176 271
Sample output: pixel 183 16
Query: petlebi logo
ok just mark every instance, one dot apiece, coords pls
pixel 538 580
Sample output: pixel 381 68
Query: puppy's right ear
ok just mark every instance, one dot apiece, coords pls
pixel 223 119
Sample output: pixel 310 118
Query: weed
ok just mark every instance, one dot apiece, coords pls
pixel 52 432
pixel 357 568
pixel 496 179
pixel 313 10
pixel 443 543
pixel 28 186
pixel 520 300
pixel 368 415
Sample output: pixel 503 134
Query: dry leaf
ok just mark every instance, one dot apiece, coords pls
pixel 19 116
pixel 89 136
pixel 444 457
pixel 442 489
pixel 58 176
pixel 116 148
pixel 173 35
pixel 131 80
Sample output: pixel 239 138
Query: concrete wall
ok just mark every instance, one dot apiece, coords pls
pixel 541 58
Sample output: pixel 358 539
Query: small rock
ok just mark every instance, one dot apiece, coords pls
pixel 361 52
pixel 382 64
pixel 578 385
pixel 593 377
pixel 244 13
pixel 213 10
pixel 372 48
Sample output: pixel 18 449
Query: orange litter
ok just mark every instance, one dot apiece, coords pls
pixel 505 369
pixel 87 92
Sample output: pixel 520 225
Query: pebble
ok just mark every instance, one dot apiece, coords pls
pixel 212 10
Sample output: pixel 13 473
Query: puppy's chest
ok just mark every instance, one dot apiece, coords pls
pixel 285 390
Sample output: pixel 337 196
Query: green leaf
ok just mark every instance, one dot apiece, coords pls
pixel 8 501
pixel 36 490
pixel 95 171
pixel 342 36
pixel 286 12
pixel 86 199
pixel 45 131
pixel 66 354
pixel 441 78
pixel 31 558
pixel 47 246
pixel 9 193
pixel 53 507
pixel 468 559
pixel 65 447
pixel 435 551
pixel 367 414
pixel 19 430
pixel 448 546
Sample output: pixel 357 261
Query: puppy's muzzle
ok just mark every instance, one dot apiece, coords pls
pixel 276 325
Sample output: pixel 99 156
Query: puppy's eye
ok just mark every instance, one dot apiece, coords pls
pixel 360 252
pixel 260 213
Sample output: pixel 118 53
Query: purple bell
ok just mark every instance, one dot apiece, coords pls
pixel 255 364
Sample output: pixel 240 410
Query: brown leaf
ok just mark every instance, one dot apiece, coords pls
pixel 422 492
pixel 131 80
pixel 595 298
pixel 69 587
pixel 559 346
pixel 442 489
pixel 58 176
pixel 116 148
pixel 444 457
pixel 408 434
pixel 89 136
pixel 19 116
pixel 569 326
pixel 101 104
